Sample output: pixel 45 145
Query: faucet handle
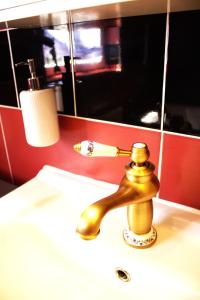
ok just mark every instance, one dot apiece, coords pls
pixel 93 149
pixel 139 152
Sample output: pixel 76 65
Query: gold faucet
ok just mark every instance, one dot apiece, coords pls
pixel 135 191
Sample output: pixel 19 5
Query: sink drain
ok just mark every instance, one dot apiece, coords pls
pixel 123 274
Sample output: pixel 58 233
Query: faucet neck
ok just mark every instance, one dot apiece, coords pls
pixel 139 173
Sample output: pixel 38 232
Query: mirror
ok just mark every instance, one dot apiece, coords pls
pixel 119 68
pixel 105 62
pixel 49 46
pixel 7 85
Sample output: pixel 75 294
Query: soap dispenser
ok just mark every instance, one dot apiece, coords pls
pixel 39 111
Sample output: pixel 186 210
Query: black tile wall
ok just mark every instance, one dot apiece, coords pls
pixel 27 43
pixel 119 69
pixel 182 101
pixel 7 88
pixel 49 47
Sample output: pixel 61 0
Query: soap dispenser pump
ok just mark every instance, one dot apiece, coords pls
pixel 39 111
pixel 33 81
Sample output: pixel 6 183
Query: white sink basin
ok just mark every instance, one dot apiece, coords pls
pixel 42 257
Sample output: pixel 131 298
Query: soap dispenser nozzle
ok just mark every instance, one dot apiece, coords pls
pixel 33 81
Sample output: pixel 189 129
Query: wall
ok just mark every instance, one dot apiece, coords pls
pixel 179 160
pixel 174 145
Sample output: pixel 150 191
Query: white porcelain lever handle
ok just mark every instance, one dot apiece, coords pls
pixel 93 149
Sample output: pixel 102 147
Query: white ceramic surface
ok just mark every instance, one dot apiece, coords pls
pixel 42 257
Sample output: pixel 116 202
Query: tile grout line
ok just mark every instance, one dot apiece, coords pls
pixel 163 93
pixel 12 64
pixel 127 125
pixel 6 150
pixel 182 134
pixel 71 38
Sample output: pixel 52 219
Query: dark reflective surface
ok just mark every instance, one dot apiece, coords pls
pixel 182 109
pixel 49 47
pixel 119 69
pixel 7 88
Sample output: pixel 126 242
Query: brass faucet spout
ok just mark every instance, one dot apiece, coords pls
pixel 127 194
pixel 90 220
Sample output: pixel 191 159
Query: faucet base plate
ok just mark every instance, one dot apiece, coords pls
pixel 140 241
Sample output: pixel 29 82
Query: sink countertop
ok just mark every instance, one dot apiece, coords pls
pixel 42 253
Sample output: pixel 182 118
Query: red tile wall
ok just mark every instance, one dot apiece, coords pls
pixel 26 161
pixel 180 159
pixel 180 176
pixel 4 165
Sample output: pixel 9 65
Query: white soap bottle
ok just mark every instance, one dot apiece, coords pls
pixel 39 112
